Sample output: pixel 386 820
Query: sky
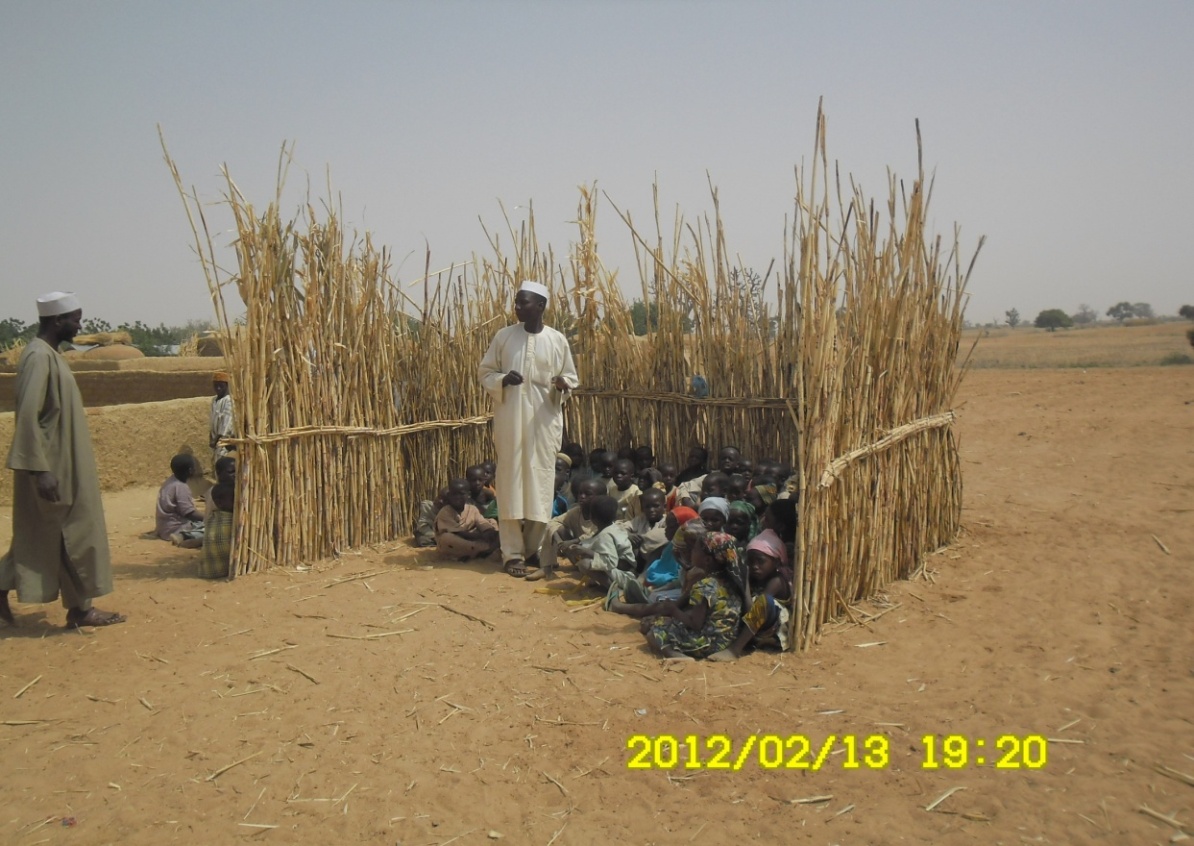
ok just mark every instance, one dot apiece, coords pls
pixel 1061 131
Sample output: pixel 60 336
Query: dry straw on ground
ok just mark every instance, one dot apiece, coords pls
pixel 355 398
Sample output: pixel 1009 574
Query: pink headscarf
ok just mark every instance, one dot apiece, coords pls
pixel 768 543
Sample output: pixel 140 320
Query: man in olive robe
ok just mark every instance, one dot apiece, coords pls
pixel 59 539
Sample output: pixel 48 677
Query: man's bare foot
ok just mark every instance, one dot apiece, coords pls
pixel 77 618
pixel 5 611
pixel 724 655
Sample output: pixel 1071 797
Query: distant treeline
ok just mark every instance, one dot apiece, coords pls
pixel 151 340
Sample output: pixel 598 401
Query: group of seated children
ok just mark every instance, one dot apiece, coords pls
pixel 179 521
pixel 701 557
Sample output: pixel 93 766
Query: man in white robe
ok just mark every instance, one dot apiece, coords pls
pixel 59 539
pixel 529 373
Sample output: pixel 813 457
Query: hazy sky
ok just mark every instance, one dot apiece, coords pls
pixel 1061 131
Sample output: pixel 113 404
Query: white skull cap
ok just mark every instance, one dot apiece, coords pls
pixel 534 287
pixel 56 303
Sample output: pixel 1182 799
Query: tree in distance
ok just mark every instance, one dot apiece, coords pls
pixel 1085 315
pixel 1053 319
pixel 1013 317
pixel 1120 311
pixel 1186 311
pixel 1125 311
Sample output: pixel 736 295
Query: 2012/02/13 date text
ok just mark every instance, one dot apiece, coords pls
pixel 769 751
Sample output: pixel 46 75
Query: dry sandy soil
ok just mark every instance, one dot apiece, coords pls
pixel 431 703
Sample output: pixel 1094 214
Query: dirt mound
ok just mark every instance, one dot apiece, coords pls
pixel 134 443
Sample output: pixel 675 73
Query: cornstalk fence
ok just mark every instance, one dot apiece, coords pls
pixel 357 396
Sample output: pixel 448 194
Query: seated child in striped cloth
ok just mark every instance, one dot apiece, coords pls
pixel 460 530
pixel 217 537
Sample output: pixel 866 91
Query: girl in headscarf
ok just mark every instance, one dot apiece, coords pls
pixel 742 524
pixel 762 493
pixel 769 594
pixel 714 511
pixel 706 619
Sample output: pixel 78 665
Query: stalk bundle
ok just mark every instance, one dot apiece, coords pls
pixel 881 316
pixel 355 400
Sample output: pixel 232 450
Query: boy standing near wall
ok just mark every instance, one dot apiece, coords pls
pixel 221 417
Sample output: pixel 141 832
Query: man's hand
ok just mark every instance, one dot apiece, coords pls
pixel 512 378
pixel 47 486
pixel 560 383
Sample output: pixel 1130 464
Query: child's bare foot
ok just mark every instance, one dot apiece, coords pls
pixel 725 655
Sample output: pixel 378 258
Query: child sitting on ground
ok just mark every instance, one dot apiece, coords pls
pixel 712 484
pixel 769 593
pixel 562 498
pixel 648 530
pixel 781 517
pixel 742 524
pixel 176 518
pixel 226 474
pixel 460 530
pixel 606 560
pixel 624 490
pixel 662 580
pixel 425 519
pixel 762 492
pixel 706 619
pixel 216 556
pixel 478 491
pixel 576 524
pixel 714 512
pixel 606 462
pixel 667 484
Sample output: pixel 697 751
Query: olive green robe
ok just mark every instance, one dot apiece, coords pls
pixel 56 546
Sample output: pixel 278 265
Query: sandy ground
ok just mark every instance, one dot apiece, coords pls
pixel 432 703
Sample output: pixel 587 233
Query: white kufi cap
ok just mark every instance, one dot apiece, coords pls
pixel 534 287
pixel 56 303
